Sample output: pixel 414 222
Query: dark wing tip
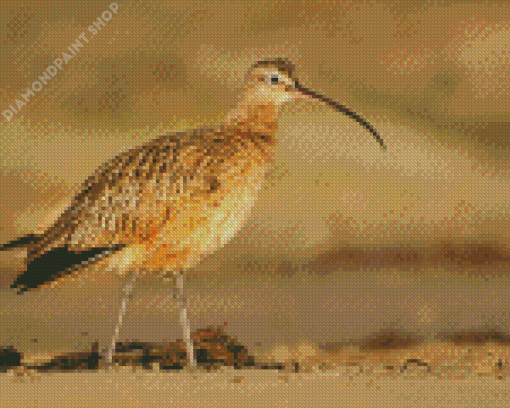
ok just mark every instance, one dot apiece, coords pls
pixel 57 263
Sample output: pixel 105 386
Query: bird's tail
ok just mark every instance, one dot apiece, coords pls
pixel 22 242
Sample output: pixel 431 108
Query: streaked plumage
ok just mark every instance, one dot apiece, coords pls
pixel 161 207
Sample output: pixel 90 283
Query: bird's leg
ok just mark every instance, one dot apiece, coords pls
pixel 126 296
pixel 186 330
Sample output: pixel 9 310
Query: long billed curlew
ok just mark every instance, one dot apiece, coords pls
pixel 162 207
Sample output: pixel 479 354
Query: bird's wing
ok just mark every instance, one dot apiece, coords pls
pixel 128 199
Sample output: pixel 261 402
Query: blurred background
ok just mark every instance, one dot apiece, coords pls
pixel 346 241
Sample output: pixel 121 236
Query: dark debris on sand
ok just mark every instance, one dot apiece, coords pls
pixel 213 349
pixel 9 358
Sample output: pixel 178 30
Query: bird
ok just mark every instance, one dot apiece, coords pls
pixel 158 209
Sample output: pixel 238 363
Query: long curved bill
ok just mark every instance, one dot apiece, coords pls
pixel 305 93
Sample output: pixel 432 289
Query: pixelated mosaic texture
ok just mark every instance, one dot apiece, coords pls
pixel 346 244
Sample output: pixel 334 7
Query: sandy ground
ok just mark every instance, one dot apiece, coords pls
pixel 228 387
pixel 440 374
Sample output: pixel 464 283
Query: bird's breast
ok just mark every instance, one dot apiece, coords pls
pixel 199 224
pixel 210 222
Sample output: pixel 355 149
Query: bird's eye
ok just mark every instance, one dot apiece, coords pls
pixel 273 79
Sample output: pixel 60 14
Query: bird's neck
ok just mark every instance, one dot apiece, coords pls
pixel 252 120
